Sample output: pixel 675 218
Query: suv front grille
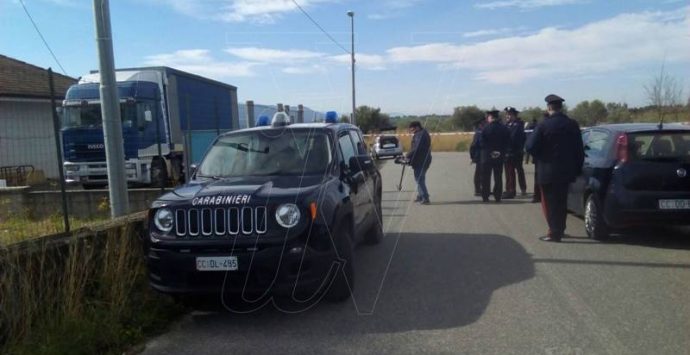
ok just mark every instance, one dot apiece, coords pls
pixel 222 222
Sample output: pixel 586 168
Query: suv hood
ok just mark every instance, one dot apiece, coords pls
pixel 241 190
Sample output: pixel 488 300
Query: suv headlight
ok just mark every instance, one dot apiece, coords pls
pixel 72 167
pixel 287 215
pixel 163 220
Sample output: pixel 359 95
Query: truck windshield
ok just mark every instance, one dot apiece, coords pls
pixel 283 152
pixel 660 146
pixel 132 115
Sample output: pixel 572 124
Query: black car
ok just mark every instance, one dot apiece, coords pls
pixel 269 210
pixel 633 175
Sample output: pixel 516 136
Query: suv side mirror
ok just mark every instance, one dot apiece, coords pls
pixel 360 163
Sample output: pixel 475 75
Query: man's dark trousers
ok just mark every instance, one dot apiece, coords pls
pixel 494 166
pixel 514 163
pixel 554 203
pixel 478 178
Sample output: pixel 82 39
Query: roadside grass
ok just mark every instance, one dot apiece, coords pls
pixel 439 143
pixel 17 228
pixel 83 294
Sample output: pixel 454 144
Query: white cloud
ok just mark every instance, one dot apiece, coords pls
pixel 525 4
pixel 262 11
pixel 200 61
pixel 363 61
pixel 491 32
pixel 303 70
pixel 622 41
pixel 392 8
pixel 269 55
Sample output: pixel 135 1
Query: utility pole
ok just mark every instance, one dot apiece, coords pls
pixel 352 57
pixel 110 111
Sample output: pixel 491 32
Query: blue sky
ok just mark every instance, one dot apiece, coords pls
pixel 414 56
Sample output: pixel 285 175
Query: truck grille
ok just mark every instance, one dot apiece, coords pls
pixel 221 222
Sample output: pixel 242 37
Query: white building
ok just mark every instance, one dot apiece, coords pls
pixel 26 119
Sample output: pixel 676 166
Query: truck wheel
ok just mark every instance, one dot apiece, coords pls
pixel 159 173
pixel 594 219
pixel 375 233
pixel 343 280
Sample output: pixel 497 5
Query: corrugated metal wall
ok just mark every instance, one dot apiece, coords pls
pixel 26 136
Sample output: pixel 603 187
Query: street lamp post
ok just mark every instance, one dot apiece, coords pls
pixel 352 57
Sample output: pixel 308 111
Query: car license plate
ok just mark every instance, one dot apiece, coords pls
pixel 216 263
pixel 674 204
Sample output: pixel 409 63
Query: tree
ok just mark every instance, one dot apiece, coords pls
pixel 664 94
pixel 618 113
pixel 530 113
pixel 464 117
pixel 371 119
pixel 344 119
pixel 589 113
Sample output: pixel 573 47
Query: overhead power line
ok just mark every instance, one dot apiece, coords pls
pixel 41 35
pixel 320 28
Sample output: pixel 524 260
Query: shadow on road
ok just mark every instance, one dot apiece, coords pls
pixel 408 282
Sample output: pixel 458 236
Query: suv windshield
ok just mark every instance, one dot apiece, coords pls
pixel 271 152
pixel 660 145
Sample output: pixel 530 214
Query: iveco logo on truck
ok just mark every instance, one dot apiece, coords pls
pixel 95 146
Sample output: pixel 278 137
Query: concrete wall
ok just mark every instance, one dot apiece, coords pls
pixel 82 204
pixel 26 135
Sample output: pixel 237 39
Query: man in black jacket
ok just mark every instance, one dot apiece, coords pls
pixel 419 157
pixel 495 138
pixel 514 155
pixel 557 148
pixel 475 155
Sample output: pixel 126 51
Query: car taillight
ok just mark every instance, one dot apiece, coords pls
pixel 622 148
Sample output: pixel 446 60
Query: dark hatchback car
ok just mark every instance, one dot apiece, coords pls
pixel 633 175
pixel 270 210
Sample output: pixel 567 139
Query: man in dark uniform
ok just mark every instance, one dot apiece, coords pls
pixel 495 138
pixel 556 146
pixel 515 153
pixel 475 155
pixel 419 157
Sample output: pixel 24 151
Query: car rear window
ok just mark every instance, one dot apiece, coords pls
pixel 660 145
pixel 388 140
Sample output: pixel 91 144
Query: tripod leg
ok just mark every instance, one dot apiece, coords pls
pixel 402 174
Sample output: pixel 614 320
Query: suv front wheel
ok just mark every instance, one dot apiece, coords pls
pixel 594 219
pixel 342 283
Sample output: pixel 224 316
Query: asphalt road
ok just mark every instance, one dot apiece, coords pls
pixel 459 276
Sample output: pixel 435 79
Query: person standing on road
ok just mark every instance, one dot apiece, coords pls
pixel 514 155
pixel 419 157
pixel 475 155
pixel 529 127
pixel 495 138
pixel 556 146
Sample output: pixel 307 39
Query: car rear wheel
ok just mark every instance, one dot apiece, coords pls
pixel 594 220
pixel 343 281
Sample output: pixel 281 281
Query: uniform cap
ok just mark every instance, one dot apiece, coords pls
pixel 511 109
pixel 553 98
pixel 492 113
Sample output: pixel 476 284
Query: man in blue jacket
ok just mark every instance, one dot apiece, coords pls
pixel 556 145
pixel 419 157
pixel 514 155
pixel 495 139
